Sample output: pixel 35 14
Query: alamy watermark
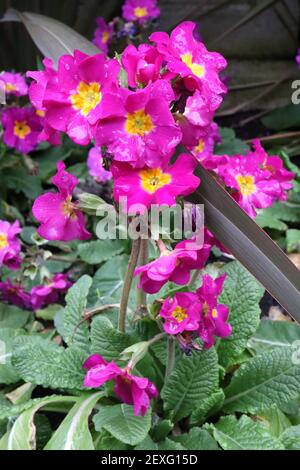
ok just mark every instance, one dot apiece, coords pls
pixel 178 222
pixel 296 94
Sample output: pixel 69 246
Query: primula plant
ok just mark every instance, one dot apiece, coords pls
pixel 117 332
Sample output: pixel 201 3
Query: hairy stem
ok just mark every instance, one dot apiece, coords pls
pixel 143 259
pixel 170 357
pixel 127 283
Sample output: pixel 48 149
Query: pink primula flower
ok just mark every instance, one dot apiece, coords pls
pixel 143 64
pixel 132 390
pixel 204 148
pixel 181 313
pixel 144 132
pixel 49 292
pixel 80 94
pixel 174 266
pixel 103 34
pixel 95 166
pixel 10 246
pixel 160 185
pixel 186 56
pixel 14 294
pixel 214 316
pixel 59 216
pixel 257 179
pixel 22 128
pixel 14 83
pixel 140 10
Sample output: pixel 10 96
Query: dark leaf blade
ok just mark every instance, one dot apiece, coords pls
pixel 52 37
pixel 249 243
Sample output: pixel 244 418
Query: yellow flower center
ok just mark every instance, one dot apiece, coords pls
pixel 179 314
pixel 246 184
pixel 214 313
pixel 196 69
pixel 40 113
pixel 86 99
pixel 21 129
pixel 140 12
pixel 154 179
pixel 69 209
pixel 105 37
pixel 200 147
pixel 3 240
pixel 138 123
pixel 10 87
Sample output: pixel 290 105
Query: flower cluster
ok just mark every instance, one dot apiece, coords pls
pixel 191 315
pixel 39 296
pixel 257 180
pixel 133 390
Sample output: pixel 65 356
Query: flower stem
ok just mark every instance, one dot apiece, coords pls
pixel 143 259
pixel 127 283
pixel 170 357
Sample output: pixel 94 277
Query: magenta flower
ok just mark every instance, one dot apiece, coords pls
pixel 161 185
pixel 132 390
pixel 174 266
pixel 59 216
pixel 298 58
pixel 95 166
pixel 144 132
pixel 14 294
pixel 204 149
pixel 15 83
pixel 22 128
pixel 103 34
pixel 182 313
pixel 274 165
pixel 214 316
pixel 79 94
pixel 186 56
pixel 140 10
pixel 257 180
pixel 49 293
pixel 42 80
pixel 143 64
pixel 10 246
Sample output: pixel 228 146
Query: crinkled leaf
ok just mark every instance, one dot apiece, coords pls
pixel 97 251
pixel 197 439
pixel 8 374
pixel 291 438
pixel 274 334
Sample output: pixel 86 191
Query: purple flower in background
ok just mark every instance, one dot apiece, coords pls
pixel 22 128
pixel 14 294
pixel 298 58
pixel 140 10
pixel 14 83
pixel 103 34
pixel 10 246
pixel 95 166
pixel 49 293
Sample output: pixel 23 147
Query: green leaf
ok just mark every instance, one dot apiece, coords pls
pixel 268 379
pixel 8 374
pixel 208 407
pixel 276 420
pixel 274 216
pixel 76 332
pixel 244 434
pixel 192 381
pixel 197 439
pixel 242 294
pixel 53 38
pixel 74 433
pixel 274 334
pixel 23 433
pixel 19 180
pixel 120 422
pixel 97 251
pixel 106 441
pixel 293 241
pixel 283 118
pixel 42 362
pixel 107 340
pixel 12 317
pixel 230 144
pixel 108 280
pixel 291 438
